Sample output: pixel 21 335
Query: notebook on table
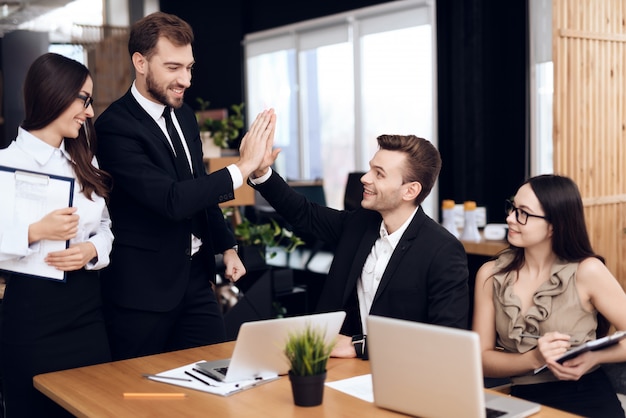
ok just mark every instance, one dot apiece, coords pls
pixel 433 371
pixel 258 351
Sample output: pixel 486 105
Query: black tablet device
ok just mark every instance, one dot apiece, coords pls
pixel 592 345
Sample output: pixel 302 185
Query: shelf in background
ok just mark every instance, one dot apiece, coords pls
pixel 484 247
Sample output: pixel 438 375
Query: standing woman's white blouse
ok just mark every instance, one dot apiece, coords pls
pixel 30 153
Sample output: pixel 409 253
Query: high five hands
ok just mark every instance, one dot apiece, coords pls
pixel 257 143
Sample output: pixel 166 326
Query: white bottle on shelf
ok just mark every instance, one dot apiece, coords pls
pixel 447 211
pixel 470 227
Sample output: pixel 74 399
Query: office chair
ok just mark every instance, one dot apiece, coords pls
pixel 354 191
pixel 314 192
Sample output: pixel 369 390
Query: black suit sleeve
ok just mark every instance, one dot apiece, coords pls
pixel 324 223
pixel 133 151
pixel 448 303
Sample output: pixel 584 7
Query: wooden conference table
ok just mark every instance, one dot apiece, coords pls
pixel 97 391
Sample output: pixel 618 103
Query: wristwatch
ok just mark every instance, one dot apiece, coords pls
pixel 359 342
pixel 236 248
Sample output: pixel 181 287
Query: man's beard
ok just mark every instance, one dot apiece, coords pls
pixel 161 94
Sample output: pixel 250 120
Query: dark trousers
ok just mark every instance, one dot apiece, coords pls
pixel 48 326
pixel 196 321
pixel 591 396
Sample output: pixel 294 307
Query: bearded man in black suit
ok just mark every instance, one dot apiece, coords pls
pixel 164 207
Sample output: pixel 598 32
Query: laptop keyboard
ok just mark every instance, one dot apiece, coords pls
pixel 494 413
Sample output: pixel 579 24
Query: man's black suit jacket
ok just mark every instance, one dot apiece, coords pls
pixel 426 279
pixel 151 210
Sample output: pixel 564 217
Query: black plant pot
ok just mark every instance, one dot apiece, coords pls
pixel 307 390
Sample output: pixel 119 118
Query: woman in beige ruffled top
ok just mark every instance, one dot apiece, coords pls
pixel 546 293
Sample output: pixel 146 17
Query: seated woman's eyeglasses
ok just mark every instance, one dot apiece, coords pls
pixel 520 214
pixel 87 99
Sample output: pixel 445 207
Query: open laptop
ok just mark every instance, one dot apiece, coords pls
pixel 258 352
pixel 433 371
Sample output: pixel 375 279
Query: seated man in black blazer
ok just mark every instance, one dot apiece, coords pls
pixel 391 259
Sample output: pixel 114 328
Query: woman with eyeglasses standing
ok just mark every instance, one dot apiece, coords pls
pixel 50 325
pixel 549 292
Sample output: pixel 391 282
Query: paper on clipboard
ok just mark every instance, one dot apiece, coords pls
pixel 26 197
pixel 180 376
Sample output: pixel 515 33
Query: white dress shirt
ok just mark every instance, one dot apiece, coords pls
pixel 28 152
pixel 375 266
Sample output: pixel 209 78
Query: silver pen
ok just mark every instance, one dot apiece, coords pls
pixel 526 335
pixel 166 377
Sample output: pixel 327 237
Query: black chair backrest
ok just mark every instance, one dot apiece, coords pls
pixel 314 191
pixel 354 191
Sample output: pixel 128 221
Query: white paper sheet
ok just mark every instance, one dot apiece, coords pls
pixel 26 198
pixel 357 386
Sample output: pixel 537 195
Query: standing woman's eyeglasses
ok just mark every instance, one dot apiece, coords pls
pixel 87 99
pixel 520 214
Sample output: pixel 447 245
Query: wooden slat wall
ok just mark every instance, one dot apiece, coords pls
pixel 111 69
pixel 589 55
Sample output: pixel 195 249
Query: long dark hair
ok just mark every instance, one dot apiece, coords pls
pixel 51 86
pixel 562 204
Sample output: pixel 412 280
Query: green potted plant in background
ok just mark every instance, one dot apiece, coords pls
pixel 268 235
pixel 223 127
pixel 308 352
pixel 255 239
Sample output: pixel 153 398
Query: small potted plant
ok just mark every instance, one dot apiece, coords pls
pixel 308 352
pixel 224 129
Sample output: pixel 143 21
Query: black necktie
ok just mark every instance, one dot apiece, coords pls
pixel 182 164
pixel 182 167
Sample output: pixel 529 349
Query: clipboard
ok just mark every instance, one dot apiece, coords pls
pixel 190 377
pixel 592 345
pixel 26 197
